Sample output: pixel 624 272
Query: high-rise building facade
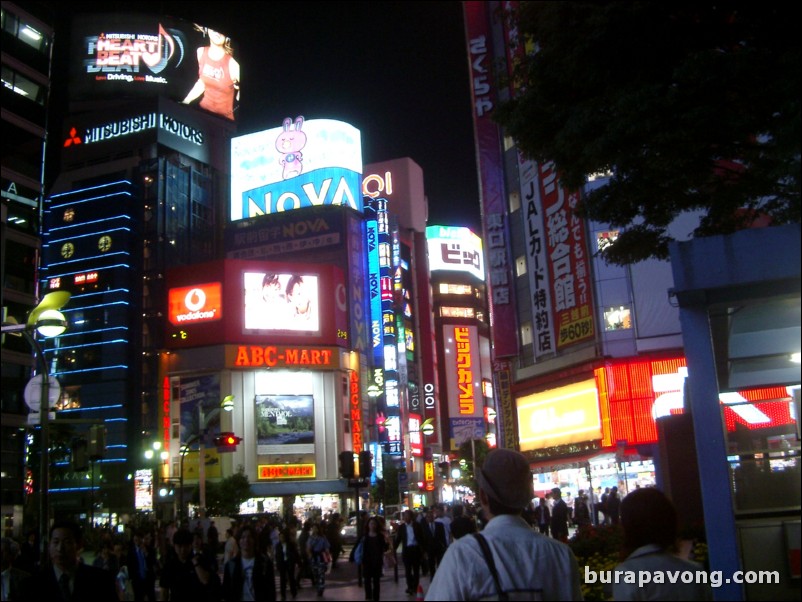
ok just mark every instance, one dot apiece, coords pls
pixel 588 356
pixel 27 32
pixel 142 187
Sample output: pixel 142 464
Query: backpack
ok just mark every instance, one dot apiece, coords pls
pixel 512 595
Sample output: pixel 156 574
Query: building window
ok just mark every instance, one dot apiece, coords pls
pixel 526 333
pixel 457 312
pixel 23 86
pixel 515 201
pixel 605 239
pixel 520 266
pixel 617 318
pixel 455 289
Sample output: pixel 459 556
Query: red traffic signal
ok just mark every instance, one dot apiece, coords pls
pixel 227 442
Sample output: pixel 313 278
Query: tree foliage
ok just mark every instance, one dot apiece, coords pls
pixel 473 456
pixel 690 106
pixel 224 497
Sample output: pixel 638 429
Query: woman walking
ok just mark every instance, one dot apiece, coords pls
pixel 374 545
pixel 318 551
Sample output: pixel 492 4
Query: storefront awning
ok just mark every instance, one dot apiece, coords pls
pixel 563 463
pixel 629 454
pixel 311 487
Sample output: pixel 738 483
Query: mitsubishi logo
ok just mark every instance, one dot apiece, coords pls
pixel 73 139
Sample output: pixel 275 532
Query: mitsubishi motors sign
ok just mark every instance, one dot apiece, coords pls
pixel 195 304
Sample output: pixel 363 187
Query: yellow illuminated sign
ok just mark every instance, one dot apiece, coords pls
pixel 286 471
pixel 559 416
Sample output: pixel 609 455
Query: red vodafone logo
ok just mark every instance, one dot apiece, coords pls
pixel 193 304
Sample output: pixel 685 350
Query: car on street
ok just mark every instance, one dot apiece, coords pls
pixel 348 532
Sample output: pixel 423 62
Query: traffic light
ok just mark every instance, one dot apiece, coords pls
pixel 445 468
pixel 226 442
pixel 347 464
pixel 365 467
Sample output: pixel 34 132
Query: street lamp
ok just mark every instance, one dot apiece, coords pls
pixel 226 405
pixel 48 321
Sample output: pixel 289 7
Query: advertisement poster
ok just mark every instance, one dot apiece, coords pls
pixel 302 163
pixel 276 301
pixel 285 424
pixel 461 430
pixel 199 397
pixel 130 55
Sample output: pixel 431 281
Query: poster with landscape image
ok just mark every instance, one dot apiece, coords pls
pixel 285 424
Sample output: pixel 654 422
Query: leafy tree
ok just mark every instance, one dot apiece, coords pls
pixel 390 476
pixel 691 106
pixel 472 455
pixel 224 497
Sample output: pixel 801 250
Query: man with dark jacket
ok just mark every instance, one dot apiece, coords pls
pixel 249 576
pixel 12 577
pixel 65 579
pixel 186 575
pixel 461 524
pixel 559 516
pixel 434 542
pixel 411 539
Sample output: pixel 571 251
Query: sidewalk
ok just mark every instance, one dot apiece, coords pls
pixel 341 584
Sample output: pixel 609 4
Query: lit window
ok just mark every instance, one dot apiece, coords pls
pixel 617 318
pixel 455 289
pixel 457 312
pixel 605 239
pixel 520 266
pixel 526 333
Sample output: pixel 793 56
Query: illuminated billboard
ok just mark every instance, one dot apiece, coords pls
pixel 463 371
pixel 276 301
pixel 455 249
pixel 559 416
pixel 303 163
pixel 285 424
pixel 242 302
pixel 130 55
pixel 195 304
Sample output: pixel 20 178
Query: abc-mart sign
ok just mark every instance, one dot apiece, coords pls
pixel 112 130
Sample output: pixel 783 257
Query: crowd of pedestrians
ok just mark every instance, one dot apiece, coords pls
pixel 511 541
pixel 151 562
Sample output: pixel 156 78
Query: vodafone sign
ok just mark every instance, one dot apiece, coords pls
pixel 193 304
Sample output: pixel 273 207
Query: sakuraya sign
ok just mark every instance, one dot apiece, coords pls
pixel 300 164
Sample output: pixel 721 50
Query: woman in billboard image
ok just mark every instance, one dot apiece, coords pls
pixel 298 298
pixel 218 76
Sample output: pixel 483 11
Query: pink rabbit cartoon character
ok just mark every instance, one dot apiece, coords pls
pixel 289 143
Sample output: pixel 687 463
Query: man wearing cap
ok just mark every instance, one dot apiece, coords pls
pixel 525 561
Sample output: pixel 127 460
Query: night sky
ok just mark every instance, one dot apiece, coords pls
pixel 397 71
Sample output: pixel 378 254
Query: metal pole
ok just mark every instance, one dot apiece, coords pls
pixel 181 487
pixel 358 534
pixel 202 461
pixel 44 459
pixel 92 496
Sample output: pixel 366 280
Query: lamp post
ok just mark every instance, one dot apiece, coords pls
pixel 156 451
pixel 226 405
pixel 48 321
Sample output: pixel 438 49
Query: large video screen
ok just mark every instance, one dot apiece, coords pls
pixel 129 55
pixel 281 302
